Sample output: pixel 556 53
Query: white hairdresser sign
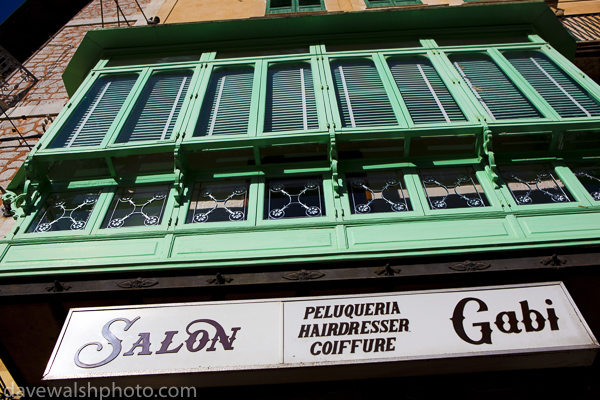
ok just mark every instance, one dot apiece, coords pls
pixel 385 330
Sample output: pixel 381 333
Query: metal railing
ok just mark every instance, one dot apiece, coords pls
pixel 583 27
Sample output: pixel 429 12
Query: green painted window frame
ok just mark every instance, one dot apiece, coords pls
pixel 418 196
pixel 328 133
pixel 100 212
pixel 144 74
pixel 581 199
pixel 328 113
pixel 294 6
pixel 391 3
pixel 257 113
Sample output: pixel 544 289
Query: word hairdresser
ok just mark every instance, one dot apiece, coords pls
pixel 340 325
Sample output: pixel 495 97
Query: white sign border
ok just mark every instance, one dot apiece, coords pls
pixel 475 354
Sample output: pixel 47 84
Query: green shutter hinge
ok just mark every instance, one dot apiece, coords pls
pixel 170 220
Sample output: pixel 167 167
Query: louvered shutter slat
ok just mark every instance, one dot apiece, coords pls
pixel 563 94
pixel 424 93
pixel 157 108
pixel 291 103
pixel 361 96
pixel 90 122
pixel 500 96
pixel 226 107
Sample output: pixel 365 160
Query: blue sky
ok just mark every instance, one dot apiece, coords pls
pixel 7 7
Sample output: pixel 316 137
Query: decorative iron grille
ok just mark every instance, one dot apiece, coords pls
pixel 219 202
pixel 294 198
pixel 378 192
pixel 535 184
pixel 452 188
pixel 15 79
pixel 63 212
pixel 142 206
pixel 588 176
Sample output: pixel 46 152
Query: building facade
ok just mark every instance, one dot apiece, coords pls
pixel 298 149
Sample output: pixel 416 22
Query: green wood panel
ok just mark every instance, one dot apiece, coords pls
pixel 82 253
pixel 422 235
pixel 239 245
pixel 569 226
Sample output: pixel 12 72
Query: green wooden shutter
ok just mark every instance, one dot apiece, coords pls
pixel 388 3
pixel 424 93
pixel 96 112
pixel 498 95
pixel 286 6
pixel 361 96
pixel 291 103
pixel 309 5
pixel 157 108
pixel 565 96
pixel 226 106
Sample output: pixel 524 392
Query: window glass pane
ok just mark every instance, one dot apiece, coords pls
pixel 215 158
pixel 140 206
pixel 95 113
pixel 294 198
pixel 428 146
pixel 378 192
pixel 157 108
pixel 589 176
pixel 535 184
pixel 495 91
pixel 423 91
pixel 382 148
pixel 218 202
pixel 309 5
pixel 452 188
pixel 279 6
pixel 293 153
pixel 65 212
pixel 144 163
pixel 226 106
pixel 361 96
pixel 291 103
pixel 563 94
pixel 77 169
pixel 530 142
pixel 581 141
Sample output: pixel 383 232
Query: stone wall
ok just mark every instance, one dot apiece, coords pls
pixel 42 103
